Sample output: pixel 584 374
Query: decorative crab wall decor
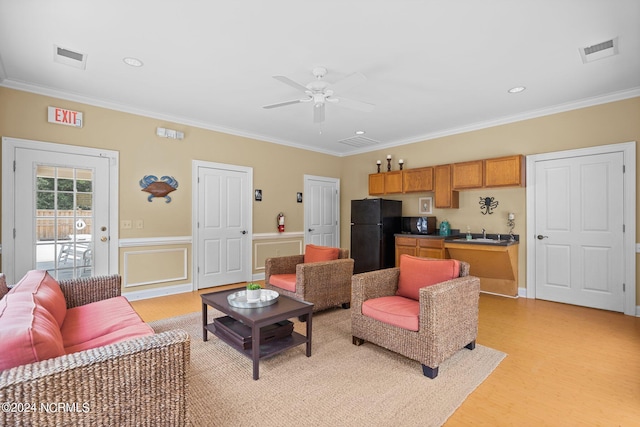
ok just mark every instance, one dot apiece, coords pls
pixel 162 188
pixel 487 204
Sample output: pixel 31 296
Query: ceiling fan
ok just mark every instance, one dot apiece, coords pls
pixel 321 92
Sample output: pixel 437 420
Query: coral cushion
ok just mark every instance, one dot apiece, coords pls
pixel 416 273
pixel 28 332
pixel 125 333
pixel 398 311
pixel 101 322
pixel 46 293
pixel 284 281
pixel 313 253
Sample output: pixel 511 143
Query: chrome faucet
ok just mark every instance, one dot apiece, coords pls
pixel 484 233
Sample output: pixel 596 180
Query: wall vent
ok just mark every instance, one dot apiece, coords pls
pixel 358 141
pixel 599 51
pixel 69 57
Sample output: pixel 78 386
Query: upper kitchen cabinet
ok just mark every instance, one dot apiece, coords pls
pixel 385 183
pixel 376 183
pixel 444 195
pixel 416 180
pixel 504 171
pixel 468 175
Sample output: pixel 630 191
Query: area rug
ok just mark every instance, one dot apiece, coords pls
pixel 340 384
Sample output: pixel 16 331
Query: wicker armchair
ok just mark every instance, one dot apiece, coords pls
pixel 326 284
pixel 448 317
pixel 141 381
pixel 3 285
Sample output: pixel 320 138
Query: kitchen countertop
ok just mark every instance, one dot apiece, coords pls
pixel 455 234
pixel 458 238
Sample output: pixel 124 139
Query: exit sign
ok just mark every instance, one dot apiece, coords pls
pixel 62 116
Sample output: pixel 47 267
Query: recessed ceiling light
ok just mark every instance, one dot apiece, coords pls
pixel 360 132
pixel 517 89
pixel 134 62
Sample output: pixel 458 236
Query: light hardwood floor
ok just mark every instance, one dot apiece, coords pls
pixel 565 365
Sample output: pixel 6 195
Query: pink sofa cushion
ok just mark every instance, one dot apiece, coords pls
pixel 122 334
pixel 398 311
pixel 313 253
pixel 46 292
pixel 284 281
pixel 100 322
pixel 416 273
pixel 28 332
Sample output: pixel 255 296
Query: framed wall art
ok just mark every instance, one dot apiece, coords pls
pixel 425 205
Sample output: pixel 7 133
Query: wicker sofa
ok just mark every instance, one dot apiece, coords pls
pixel 447 319
pixel 326 284
pixel 139 381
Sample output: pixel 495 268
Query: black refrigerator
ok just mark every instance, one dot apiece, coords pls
pixel 373 225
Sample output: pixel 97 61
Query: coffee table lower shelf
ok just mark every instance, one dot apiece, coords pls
pixel 268 349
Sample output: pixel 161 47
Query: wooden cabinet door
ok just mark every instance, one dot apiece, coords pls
pixel 393 182
pixel 376 183
pixel 415 180
pixel 431 248
pixel 445 197
pixel 405 245
pixel 468 175
pixel 504 171
pixel 431 253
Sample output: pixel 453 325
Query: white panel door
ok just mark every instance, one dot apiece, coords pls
pixel 223 226
pixel 322 207
pixel 579 210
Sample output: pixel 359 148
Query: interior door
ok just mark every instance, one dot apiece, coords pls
pixel 579 212
pixel 61 214
pixel 223 228
pixel 321 213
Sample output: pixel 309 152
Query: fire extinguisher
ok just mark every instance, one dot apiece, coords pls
pixel 280 222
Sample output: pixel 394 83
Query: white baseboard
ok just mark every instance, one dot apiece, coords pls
pixel 498 295
pixel 258 276
pixel 158 292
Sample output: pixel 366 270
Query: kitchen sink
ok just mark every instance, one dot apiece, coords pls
pixel 481 240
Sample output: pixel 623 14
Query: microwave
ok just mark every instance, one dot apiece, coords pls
pixel 419 225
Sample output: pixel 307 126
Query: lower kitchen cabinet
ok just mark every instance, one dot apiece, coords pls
pixel 424 247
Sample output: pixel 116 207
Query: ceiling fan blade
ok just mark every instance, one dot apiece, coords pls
pixel 348 82
pixel 318 113
pixel 288 81
pixel 353 104
pixel 282 104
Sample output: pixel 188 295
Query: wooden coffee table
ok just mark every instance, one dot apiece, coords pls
pixel 256 318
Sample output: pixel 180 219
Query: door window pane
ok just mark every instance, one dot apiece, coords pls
pixel 63 220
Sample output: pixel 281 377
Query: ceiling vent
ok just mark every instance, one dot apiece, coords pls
pixel 599 51
pixel 358 141
pixel 69 57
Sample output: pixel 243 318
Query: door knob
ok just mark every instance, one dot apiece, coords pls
pixel 540 237
pixel 310 230
pixel 244 231
pixel 103 239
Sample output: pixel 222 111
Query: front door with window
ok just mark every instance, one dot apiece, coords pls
pixel 60 207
